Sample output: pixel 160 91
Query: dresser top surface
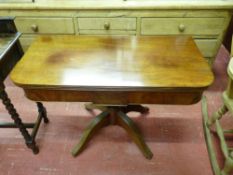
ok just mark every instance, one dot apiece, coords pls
pixel 82 62
pixel 117 4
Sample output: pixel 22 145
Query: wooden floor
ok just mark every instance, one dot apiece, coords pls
pixel 174 134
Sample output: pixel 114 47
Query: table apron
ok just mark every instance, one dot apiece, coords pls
pixel 115 97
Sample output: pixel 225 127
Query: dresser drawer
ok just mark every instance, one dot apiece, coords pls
pixel 207 47
pixel 45 25
pixel 15 1
pixel 107 25
pixel 106 32
pixel 190 26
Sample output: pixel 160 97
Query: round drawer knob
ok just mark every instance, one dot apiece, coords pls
pixel 107 26
pixel 181 27
pixel 34 27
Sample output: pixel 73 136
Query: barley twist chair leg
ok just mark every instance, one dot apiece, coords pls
pixel 42 111
pixel 30 142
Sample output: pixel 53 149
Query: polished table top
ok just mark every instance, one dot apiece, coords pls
pixel 112 64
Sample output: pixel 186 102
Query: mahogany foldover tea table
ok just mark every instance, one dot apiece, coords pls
pixel 117 74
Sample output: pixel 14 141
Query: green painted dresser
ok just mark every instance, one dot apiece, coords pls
pixel 206 21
